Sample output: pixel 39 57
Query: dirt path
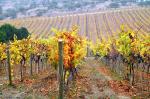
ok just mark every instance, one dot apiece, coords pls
pixel 89 84
pixel 98 83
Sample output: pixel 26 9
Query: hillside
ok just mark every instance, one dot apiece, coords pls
pixel 99 25
pixel 12 9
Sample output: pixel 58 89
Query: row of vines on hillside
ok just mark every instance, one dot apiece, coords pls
pixel 43 53
pixel 128 55
pixel 108 22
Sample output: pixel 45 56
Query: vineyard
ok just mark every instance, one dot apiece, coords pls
pixel 102 24
pixel 80 56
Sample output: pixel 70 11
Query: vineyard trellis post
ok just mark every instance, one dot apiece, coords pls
pixel 88 49
pixel 31 65
pixel 61 73
pixel 1 89
pixel 8 64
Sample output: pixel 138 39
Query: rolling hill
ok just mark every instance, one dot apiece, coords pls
pixel 104 24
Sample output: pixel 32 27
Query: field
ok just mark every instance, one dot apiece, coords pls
pixel 115 65
pixel 95 25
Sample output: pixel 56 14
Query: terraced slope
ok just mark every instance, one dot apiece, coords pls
pixel 99 25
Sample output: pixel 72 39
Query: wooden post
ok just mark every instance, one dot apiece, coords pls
pixel 31 71
pixel 1 89
pixel 8 64
pixel 61 82
pixel 88 49
pixel 87 54
pixel 21 72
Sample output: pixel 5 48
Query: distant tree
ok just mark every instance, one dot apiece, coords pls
pixel 85 3
pixel 1 10
pixel 1 17
pixel 45 2
pixel 10 13
pixel 22 10
pixel 9 31
pixel 114 5
pixel 22 33
pixel 146 3
pixel 33 5
pixel 123 2
pixel 78 5
pixel 2 36
pixel 52 5
pixel 102 1
pixel 70 5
